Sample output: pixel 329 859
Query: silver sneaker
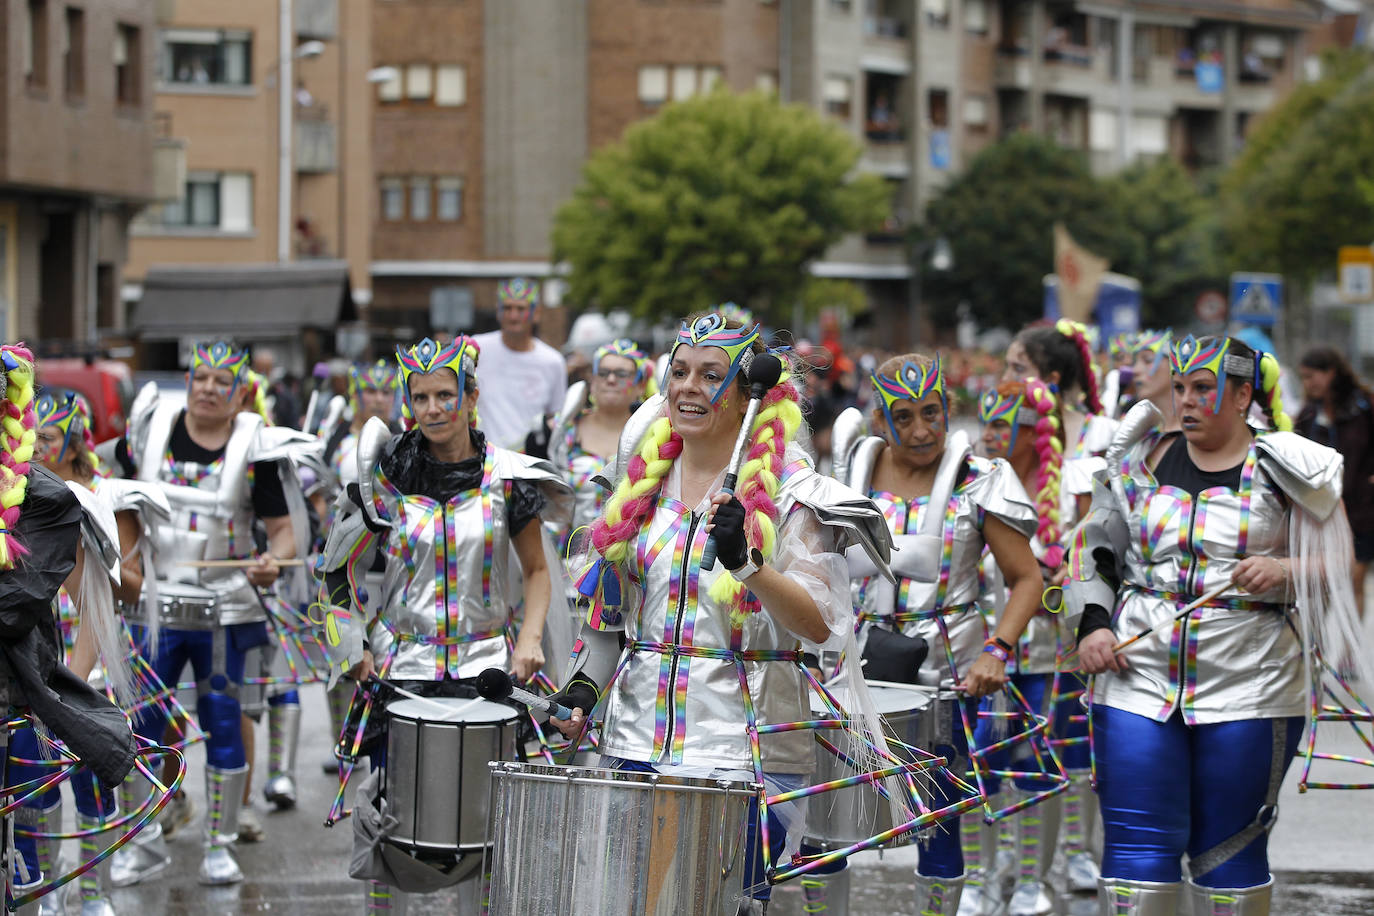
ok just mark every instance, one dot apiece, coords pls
pixel 144 857
pixel 1081 873
pixel 219 867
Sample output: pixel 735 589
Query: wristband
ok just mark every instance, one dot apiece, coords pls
pixel 992 648
pixel 1003 643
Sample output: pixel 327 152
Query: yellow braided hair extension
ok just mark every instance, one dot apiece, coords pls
pixel 257 396
pixel 635 495
pixel 1272 399
pixel 17 445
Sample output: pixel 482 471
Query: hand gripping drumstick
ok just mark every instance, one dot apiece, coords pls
pixel 764 371
pixel 1214 593
pixel 495 684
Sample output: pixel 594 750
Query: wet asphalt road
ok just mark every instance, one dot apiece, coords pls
pixel 1322 850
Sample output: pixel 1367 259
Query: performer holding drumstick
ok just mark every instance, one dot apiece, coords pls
pixel 696 633
pixel 1196 721
pixel 449 512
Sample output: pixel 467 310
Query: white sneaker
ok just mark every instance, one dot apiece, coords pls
pixel 180 811
pixel 250 828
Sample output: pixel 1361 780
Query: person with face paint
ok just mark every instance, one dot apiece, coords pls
pixel 524 378
pixel 222 474
pixel 118 512
pixel 778 582
pixel 1195 724
pixel 913 465
pixel 587 429
pixel 1062 357
pixel 447 608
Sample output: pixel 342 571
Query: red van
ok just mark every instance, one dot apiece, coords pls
pixel 106 383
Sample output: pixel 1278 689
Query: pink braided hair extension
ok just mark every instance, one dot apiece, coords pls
pixel 633 511
pixel 1089 373
pixel 1049 449
pixel 16 448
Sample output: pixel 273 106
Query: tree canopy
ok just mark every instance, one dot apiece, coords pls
pixel 722 197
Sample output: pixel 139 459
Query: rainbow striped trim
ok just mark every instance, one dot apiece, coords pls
pixel 711 331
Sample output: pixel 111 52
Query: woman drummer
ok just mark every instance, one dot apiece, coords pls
pixel 586 432
pixel 695 633
pixel 1195 725
pixel 447 612
pixel 918 466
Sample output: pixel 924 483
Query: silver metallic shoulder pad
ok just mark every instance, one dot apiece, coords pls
pixel 154 432
pixel 140 415
pixel 635 430
pixel 372 441
pixel 282 443
pixel 1078 473
pixel 333 416
pixel 848 430
pixel 573 403
pixel 957 448
pixel 994 487
pixel 99 531
pixel 1111 393
pixel 348 527
pixel 837 506
pixel 148 500
pixel 862 462
pixel 1098 433
pixel 1136 425
pixel 1307 472
pixel 510 465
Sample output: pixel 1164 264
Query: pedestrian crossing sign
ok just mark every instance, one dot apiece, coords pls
pixel 1256 298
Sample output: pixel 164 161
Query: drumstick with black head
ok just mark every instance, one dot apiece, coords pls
pixel 763 373
pixel 496 685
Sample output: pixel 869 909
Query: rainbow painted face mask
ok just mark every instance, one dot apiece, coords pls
pixel 912 383
pixel 380 376
pixel 710 331
pixel 219 354
pixel 1189 355
pixel 1010 408
pixel 64 411
pixel 427 357
pixel 626 348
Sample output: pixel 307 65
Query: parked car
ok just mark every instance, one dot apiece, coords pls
pixel 107 384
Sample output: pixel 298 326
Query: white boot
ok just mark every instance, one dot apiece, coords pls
pixel 1081 813
pixel 283 736
pixel 826 893
pixel 1037 833
pixel 1118 897
pixel 146 855
pixel 224 798
pixel 1231 901
pixel 90 887
pixel 982 885
pixel 938 896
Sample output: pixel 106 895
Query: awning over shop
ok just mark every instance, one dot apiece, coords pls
pixel 249 301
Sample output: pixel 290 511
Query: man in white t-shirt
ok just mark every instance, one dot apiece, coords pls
pixel 521 377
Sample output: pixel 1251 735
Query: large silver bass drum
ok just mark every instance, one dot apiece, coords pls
pixel 597 842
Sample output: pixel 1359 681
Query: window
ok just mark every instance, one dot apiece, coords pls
pixel 653 85
pixel 766 81
pixel 36 45
pixel 393 199
pixel 450 203
pixel 976 110
pixel 127 57
pixel 74 53
pixel 976 16
pixel 840 6
pixel 684 82
pixel 710 76
pixel 939 107
pixel 390 90
pixel 937 13
pixel 839 96
pixel 419 81
pixel 419 199
pixel 220 201
pixel 451 85
pixel 207 57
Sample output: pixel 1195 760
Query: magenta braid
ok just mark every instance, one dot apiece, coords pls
pixel 1049 450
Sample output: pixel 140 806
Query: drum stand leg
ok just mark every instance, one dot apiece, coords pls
pixel 1037 835
pixel 384 900
pixel 827 894
pixel 1080 817
pixel 283 736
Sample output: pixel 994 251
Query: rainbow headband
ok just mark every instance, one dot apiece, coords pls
pixel 912 383
pixel 427 357
pixel 63 410
pixel 1125 344
pixel 1189 356
pixel 380 376
pixel 1156 342
pixel 220 354
pixel 624 347
pixel 710 331
pixel 521 290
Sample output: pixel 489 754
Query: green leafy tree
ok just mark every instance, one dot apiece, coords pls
pixel 1299 189
pixel 721 197
pixel 999 218
pixel 1174 254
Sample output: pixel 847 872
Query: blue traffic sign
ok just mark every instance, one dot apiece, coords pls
pixel 1256 298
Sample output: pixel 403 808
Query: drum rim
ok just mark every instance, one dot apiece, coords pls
pixel 396 709
pixel 588 775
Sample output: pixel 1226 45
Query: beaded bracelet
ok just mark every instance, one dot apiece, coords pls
pixel 992 648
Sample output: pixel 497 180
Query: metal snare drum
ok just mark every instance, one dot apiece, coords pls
pixel 913 715
pixel 596 842
pixel 182 606
pixel 436 777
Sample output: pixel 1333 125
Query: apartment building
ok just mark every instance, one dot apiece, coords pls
pixel 268 236
pixel 76 161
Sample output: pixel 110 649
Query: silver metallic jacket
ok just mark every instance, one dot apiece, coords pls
pixel 447 598
pixel 678 699
pixel 577 466
pixel 937 556
pixel 1239 656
